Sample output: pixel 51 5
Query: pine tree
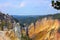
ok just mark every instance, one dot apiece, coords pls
pixel 56 4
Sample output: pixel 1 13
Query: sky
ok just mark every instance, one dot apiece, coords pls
pixel 27 7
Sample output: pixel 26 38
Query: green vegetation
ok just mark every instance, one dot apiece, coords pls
pixel 2 24
pixel 56 4
pixel 32 19
pixel 24 37
pixel 5 21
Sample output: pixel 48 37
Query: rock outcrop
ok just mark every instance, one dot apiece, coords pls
pixel 45 29
pixel 6 21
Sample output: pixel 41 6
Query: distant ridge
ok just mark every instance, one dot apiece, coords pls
pixel 34 18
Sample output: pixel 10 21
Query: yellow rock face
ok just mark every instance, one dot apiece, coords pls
pixel 44 29
pixel 7 35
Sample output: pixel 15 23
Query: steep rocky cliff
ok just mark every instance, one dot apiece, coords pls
pixel 6 21
pixel 44 29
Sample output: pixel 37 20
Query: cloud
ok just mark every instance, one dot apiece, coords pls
pixel 22 4
pixel 4 4
pixel 27 3
pixel 7 5
pixel 12 5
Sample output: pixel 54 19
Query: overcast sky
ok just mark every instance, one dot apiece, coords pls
pixel 27 7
